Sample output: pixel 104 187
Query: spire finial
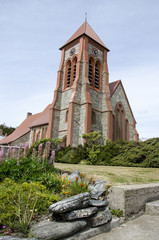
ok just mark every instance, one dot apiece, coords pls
pixel 85 16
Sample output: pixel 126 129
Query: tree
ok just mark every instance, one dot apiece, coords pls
pixel 6 130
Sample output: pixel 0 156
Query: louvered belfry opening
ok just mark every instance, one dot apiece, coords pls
pixel 96 84
pixel 69 74
pixel 74 68
pixel 90 71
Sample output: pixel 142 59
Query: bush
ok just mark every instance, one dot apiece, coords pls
pixel 54 144
pixel 19 203
pixel 120 153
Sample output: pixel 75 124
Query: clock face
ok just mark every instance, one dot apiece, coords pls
pixel 95 52
pixel 72 51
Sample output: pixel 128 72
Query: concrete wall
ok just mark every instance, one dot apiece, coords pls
pixel 132 199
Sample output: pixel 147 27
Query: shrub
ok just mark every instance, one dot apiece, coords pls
pixel 54 144
pixel 73 188
pixel 28 170
pixel 20 202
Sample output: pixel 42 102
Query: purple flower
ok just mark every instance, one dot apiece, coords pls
pixel 3 226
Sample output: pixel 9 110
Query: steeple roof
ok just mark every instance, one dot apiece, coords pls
pixel 85 29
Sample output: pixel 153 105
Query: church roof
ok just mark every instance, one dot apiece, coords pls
pixel 43 119
pixel 24 127
pixel 113 86
pixel 85 29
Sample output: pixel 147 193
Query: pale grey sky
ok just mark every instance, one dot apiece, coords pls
pixel 32 31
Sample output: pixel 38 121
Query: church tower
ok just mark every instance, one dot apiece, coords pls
pixel 81 101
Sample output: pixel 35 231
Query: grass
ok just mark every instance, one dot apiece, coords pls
pixel 115 175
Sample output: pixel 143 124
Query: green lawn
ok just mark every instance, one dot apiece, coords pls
pixel 115 175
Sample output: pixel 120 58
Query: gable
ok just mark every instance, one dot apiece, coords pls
pixel 117 94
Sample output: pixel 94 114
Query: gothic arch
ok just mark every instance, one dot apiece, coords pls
pixel 70 72
pixel 120 124
pixel 93 117
pixel 64 140
pixel 74 66
pixel 94 73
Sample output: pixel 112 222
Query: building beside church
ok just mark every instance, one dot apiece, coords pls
pixel 84 100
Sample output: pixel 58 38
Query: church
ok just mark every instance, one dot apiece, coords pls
pixel 84 100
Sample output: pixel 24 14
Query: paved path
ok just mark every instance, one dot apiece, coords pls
pixel 145 227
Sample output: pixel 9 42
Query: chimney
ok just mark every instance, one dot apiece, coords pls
pixel 28 114
pixel 1 132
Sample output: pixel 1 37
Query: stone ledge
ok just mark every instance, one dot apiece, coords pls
pixel 132 199
pixel 152 208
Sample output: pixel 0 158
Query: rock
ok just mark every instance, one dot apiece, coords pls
pixel 56 230
pixel 74 176
pixel 98 203
pixel 78 201
pixel 100 218
pixel 15 238
pixel 65 175
pixel 81 213
pixel 98 189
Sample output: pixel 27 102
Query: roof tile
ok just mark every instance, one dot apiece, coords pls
pixel 86 29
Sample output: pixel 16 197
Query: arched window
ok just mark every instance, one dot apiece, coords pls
pixel 96 83
pixel 119 122
pixel 33 136
pixel 42 135
pixel 74 68
pixel 69 74
pixel 66 116
pixel 113 132
pixel 126 129
pixel 94 73
pixel 46 132
pixel 93 117
pixel 91 71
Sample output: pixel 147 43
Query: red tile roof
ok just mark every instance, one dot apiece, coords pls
pixel 43 118
pixel 86 29
pixel 24 127
pixel 113 86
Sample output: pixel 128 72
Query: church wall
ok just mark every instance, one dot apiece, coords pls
pixel 82 123
pixel 55 132
pixel 62 120
pixel 67 52
pixel 100 53
pixel 76 125
pixel 104 118
pixel 119 96
pixel 23 139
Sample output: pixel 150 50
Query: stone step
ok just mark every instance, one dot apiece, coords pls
pixel 152 208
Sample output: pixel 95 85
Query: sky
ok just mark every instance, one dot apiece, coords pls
pixel 32 31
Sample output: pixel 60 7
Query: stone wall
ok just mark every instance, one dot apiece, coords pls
pixel 119 96
pixel 25 138
pixel 132 199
